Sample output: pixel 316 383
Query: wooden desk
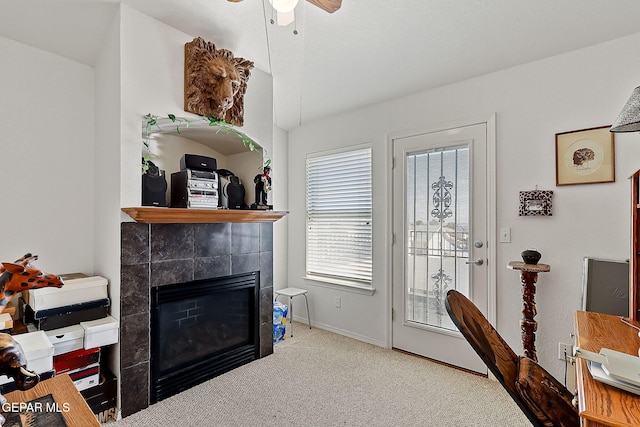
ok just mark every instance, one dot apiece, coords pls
pixel 601 404
pixel 70 402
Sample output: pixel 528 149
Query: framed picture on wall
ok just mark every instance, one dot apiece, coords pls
pixel 585 156
pixel 535 203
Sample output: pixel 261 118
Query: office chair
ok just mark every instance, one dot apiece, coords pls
pixel 542 398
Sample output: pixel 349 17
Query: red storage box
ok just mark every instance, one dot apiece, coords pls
pixel 64 363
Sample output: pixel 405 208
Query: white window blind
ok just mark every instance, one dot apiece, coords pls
pixel 339 216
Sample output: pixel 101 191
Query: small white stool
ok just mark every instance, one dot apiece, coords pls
pixel 290 293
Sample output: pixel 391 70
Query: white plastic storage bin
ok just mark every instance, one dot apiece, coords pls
pixel 74 291
pixel 98 333
pixel 67 339
pixel 37 349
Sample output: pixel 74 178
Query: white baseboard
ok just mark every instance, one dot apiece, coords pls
pixel 338 331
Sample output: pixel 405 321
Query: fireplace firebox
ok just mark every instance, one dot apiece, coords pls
pixel 202 329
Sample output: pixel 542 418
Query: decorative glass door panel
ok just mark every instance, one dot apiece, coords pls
pixel 437 233
pixel 440 206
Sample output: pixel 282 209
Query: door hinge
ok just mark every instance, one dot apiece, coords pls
pixel 393 238
pixel 393 314
pixel 393 163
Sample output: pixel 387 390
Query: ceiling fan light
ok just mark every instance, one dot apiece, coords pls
pixel 284 6
pixel 285 18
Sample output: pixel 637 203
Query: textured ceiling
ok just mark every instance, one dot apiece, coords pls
pixel 366 52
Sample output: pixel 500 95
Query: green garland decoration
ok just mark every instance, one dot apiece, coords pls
pixel 181 122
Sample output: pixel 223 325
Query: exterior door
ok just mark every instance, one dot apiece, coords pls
pixel 440 225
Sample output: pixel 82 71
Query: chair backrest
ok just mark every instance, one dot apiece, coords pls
pixel 485 340
pixel 544 400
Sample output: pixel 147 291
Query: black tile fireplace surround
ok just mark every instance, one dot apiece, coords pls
pixel 155 255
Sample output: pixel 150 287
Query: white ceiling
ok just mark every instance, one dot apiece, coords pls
pixel 368 51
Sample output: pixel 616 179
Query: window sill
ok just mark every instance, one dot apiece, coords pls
pixel 344 285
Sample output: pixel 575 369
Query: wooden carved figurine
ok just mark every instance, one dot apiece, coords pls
pixel 13 364
pixel 21 276
pixel 214 82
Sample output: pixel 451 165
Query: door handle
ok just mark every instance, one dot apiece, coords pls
pixel 477 261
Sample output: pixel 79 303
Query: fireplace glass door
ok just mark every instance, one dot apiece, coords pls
pixel 202 329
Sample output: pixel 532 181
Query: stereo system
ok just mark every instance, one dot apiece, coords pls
pixel 196 185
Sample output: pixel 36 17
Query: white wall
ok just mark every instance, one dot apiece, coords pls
pixel 533 102
pixel 46 159
pixel 107 174
pixel 151 83
pixel 279 179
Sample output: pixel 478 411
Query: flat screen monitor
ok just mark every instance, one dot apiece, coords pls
pixel 605 286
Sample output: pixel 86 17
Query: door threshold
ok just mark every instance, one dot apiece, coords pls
pixel 440 362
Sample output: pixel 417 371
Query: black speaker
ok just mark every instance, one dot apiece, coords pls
pixel 154 190
pixel 235 191
pixel 196 162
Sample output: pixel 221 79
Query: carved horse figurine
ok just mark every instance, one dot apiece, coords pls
pixel 21 276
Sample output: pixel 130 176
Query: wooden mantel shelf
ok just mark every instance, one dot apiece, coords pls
pixel 152 215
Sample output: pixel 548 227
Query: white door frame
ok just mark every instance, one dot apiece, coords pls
pixel 492 252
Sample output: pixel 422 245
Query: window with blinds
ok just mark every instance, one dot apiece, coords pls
pixel 339 216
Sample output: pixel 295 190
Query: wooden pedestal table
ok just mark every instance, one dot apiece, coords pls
pixel 54 402
pixel 528 326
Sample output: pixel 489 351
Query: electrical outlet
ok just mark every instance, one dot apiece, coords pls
pixel 338 301
pixel 564 351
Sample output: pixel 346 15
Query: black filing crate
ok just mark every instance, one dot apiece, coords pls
pixel 103 396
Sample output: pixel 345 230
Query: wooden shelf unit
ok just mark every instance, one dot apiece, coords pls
pixel 152 215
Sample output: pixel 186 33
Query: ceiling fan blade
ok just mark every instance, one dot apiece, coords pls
pixel 328 5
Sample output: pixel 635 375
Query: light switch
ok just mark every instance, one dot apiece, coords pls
pixel 505 235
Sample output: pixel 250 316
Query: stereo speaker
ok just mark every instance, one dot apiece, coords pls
pixel 196 162
pixel 154 190
pixel 235 191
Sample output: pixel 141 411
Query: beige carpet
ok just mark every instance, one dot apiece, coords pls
pixel 318 378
